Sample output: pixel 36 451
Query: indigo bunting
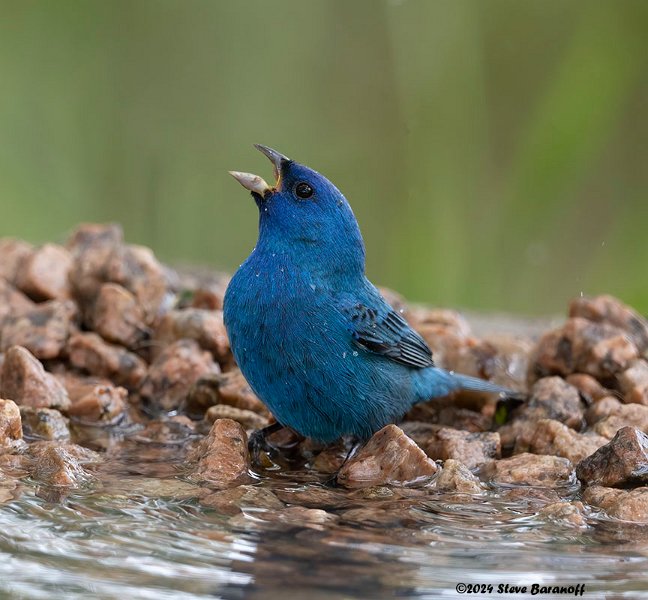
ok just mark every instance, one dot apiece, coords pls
pixel 314 338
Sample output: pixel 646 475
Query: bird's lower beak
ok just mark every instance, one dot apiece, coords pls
pixel 256 184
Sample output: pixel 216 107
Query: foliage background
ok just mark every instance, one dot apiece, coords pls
pixel 495 151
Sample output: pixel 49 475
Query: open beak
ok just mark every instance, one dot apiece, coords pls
pixel 256 184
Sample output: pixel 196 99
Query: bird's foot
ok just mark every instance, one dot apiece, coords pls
pixel 258 442
pixel 333 481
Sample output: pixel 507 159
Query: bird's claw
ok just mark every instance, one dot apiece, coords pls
pixel 258 442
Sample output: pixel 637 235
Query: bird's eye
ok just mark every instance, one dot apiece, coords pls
pixel 303 190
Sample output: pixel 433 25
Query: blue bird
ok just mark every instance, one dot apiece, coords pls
pixel 312 335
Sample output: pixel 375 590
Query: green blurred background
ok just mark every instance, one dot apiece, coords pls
pixel 495 151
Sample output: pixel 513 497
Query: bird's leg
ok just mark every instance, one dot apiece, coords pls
pixel 258 442
pixel 355 446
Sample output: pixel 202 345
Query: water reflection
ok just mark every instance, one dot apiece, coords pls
pixel 137 532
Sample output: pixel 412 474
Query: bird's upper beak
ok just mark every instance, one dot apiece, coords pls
pixel 256 184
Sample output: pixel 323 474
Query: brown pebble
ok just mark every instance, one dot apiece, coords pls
pixel 61 464
pixel 174 372
pixel 222 458
pixel 627 505
pixel 229 388
pixel 331 458
pixel 389 457
pixel 117 316
pixel 457 477
pixel 44 423
pixel 102 404
pixel 531 469
pixel 472 449
pixel 501 359
pixel 43 330
pixel 12 301
pixel 634 415
pixel 588 386
pixel 14 253
pixel 24 380
pixel 610 310
pixel 204 326
pixel 92 245
pixel 247 418
pixel 89 352
pixel 555 438
pixel 582 346
pixel 43 275
pixel 570 514
pixel 633 382
pixel 604 407
pixel 11 433
pixel 621 462
pixel 137 269
pixel 550 398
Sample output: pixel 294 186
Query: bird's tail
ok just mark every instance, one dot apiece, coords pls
pixel 435 382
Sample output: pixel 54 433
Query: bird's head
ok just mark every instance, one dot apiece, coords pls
pixel 304 214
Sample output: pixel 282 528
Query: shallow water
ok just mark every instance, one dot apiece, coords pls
pixel 139 531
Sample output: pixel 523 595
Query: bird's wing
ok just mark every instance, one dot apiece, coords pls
pixel 382 330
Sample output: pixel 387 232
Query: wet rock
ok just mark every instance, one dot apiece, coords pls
pixel 457 477
pixel 137 269
pixel 550 398
pixel 633 415
pixel 89 352
pixel 530 469
pixel 236 500
pixel 11 433
pixel 118 317
pixel 247 418
pixel 501 359
pixel 100 404
pixel 621 462
pixel 389 457
pixel 472 449
pixel 14 253
pixel 620 504
pixel 44 423
pixel 571 514
pixel 204 326
pixel 222 458
pixel 610 310
pixel 555 438
pixel 299 516
pixel 43 274
pixel 92 245
pixel 605 407
pixel 174 372
pixel 24 380
pixel 589 387
pixel 60 464
pixel 229 388
pixel 43 330
pixel 582 346
pixel 12 302
pixel 633 383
